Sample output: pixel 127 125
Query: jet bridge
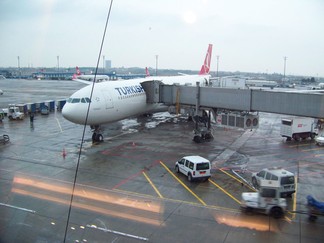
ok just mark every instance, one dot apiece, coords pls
pixel 306 104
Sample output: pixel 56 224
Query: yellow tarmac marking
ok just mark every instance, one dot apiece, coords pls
pixel 299 145
pixel 151 183
pixel 318 155
pixel 223 190
pixel 236 179
pixel 306 150
pixel 195 195
pixel 177 201
pixel 295 201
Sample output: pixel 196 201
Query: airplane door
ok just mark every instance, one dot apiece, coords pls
pixel 108 99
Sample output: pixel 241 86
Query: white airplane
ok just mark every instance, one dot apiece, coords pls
pixel 107 102
pixel 86 78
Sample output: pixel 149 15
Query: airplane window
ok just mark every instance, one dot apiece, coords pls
pixel 69 100
pixel 83 100
pixel 76 100
pixel 87 99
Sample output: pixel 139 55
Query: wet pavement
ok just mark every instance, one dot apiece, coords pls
pixel 126 188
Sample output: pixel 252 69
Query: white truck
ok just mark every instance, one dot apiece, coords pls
pixel 298 128
pixel 14 113
pixel 267 200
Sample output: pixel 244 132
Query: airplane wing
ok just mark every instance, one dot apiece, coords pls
pixel 82 81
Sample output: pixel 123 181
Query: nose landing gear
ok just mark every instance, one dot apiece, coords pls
pixel 97 136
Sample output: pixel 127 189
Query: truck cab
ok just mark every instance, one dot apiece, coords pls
pixel 267 200
pixel 14 113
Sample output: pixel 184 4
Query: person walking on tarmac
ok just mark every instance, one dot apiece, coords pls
pixel 31 117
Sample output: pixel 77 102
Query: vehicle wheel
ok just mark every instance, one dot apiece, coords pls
pixel 94 136
pixel 99 138
pixel 312 218
pixel 296 137
pixel 276 212
pixel 189 177
pixel 197 139
pixel 177 169
pixel 208 136
pixel 248 210
pixel 254 182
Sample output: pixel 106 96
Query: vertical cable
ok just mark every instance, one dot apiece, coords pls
pixel 85 124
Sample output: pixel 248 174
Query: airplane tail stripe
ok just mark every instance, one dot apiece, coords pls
pixel 206 66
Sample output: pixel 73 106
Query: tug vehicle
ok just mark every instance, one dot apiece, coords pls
pixel 267 200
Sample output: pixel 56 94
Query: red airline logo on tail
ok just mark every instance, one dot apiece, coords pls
pixel 147 72
pixel 205 68
pixel 78 72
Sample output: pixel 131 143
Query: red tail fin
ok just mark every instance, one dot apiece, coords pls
pixel 78 72
pixel 147 72
pixel 205 67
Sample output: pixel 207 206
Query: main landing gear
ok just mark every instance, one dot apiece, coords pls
pixel 96 136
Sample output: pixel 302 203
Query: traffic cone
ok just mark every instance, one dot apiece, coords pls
pixel 64 153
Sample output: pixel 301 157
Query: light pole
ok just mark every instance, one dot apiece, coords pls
pixel 19 67
pixel 217 66
pixel 58 64
pixel 284 78
pixel 156 64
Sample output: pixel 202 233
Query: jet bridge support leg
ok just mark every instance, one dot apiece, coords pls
pixel 202 132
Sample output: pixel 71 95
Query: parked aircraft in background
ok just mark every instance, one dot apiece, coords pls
pixel 320 86
pixel 78 76
pixel 117 100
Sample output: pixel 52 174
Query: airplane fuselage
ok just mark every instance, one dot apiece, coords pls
pixel 116 100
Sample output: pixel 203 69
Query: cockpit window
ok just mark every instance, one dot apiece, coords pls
pixel 75 100
pixel 78 100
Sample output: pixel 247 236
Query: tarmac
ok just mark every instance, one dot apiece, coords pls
pixel 56 186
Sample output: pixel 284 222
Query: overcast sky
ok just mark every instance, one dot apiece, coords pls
pixel 248 36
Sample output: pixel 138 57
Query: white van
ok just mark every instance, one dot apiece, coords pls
pixel 285 178
pixel 194 167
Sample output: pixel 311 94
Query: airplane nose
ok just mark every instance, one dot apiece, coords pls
pixel 73 113
pixel 66 112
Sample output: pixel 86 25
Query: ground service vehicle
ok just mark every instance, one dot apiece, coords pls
pixel 194 167
pixel 315 208
pixel 298 128
pixel 319 140
pixel 4 139
pixel 284 178
pixel 267 200
pixel 14 113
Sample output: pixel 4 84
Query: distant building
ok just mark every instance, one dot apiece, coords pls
pixel 108 64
